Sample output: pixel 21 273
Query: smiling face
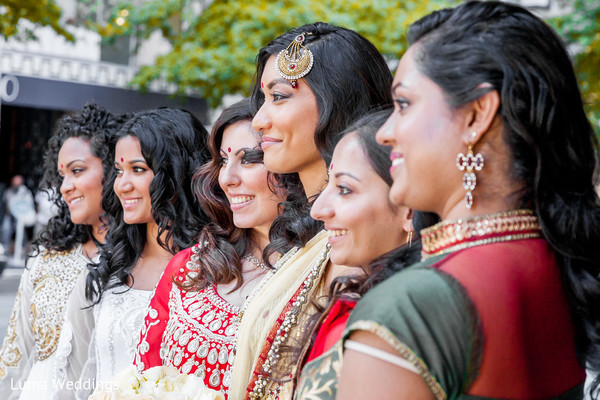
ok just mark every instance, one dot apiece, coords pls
pixel 361 222
pixel 82 174
pixel 243 178
pixel 424 133
pixel 287 120
pixel 132 184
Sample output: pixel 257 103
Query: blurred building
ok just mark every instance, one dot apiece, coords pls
pixel 42 80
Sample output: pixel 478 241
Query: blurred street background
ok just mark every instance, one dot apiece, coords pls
pixel 9 283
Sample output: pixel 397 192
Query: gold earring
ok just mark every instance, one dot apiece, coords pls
pixel 409 238
pixel 470 163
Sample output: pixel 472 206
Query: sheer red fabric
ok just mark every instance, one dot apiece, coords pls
pixel 528 336
pixel 332 328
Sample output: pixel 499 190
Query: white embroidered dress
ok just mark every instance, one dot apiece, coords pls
pixel 34 358
pixel 108 333
pixel 119 318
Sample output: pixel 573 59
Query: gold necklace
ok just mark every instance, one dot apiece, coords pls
pixel 449 236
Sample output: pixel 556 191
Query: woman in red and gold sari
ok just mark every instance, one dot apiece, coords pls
pixel 359 223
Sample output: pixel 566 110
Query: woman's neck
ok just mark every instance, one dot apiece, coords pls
pixel 152 262
pixel 496 190
pixel 152 247
pixel 260 237
pixel 90 249
pixel 314 178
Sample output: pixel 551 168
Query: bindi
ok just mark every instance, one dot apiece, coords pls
pixel 229 149
pixel 121 159
pixel 61 165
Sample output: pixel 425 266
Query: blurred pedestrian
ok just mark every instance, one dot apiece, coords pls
pixel 20 207
pixel 46 208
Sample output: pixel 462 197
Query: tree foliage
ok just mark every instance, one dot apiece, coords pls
pixel 581 29
pixel 213 52
pixel 38 12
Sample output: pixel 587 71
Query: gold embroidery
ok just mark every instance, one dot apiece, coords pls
pixel 319 377
pixel 406 352
pixel 10 355
pixel 53 277
pixel 263 384
pixel 449 236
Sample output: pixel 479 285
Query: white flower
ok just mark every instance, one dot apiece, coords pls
pixel 156 383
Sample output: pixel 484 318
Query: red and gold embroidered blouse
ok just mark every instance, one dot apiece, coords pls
pixel 191 331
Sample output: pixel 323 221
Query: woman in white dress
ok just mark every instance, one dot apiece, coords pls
pixel 192 319
pixel 35 355
pixel 153 214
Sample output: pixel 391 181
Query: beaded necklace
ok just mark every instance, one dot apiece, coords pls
pixel 262 284
pixel 290 320
pixel 255 261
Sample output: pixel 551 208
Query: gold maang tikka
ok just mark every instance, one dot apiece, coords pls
pixel 295 61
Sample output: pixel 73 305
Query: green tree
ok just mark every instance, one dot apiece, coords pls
pixel 38 12
pixel 213 52
pixel 581 29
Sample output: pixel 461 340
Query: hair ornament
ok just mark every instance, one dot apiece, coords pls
pixel 295 61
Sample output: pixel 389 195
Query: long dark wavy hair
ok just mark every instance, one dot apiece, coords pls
pixel 174 144
pixel 349 78
pixel 552 144
pixel 222 242
pixel 383 266
pixel 387 264
pixel 95 125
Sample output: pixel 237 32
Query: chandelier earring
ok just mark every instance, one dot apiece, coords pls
pixel 469 163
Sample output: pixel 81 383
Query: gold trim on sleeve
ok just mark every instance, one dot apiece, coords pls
pixel 406 352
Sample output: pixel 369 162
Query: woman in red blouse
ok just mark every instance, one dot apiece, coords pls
pixel 193 317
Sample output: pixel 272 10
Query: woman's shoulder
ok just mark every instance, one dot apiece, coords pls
pixel 427 317
pixel 47 254
pixel 420 299
pixel 318 239
pixel 180 263
pixel 419 285
pixel 47 262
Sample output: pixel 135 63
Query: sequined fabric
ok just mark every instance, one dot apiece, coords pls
pixel 200 335
pixel 53 276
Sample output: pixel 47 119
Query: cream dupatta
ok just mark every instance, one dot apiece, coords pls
pixel 265 309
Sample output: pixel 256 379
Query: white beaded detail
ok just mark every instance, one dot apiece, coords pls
pixel 290 320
